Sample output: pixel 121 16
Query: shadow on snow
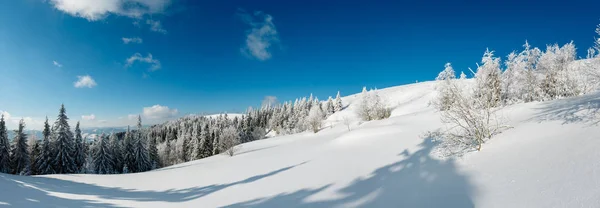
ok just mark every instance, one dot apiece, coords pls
pixel 581 109
pixel 417 180
pixel 24 191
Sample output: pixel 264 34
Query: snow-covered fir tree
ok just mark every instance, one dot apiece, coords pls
pixel 153 152
pixel 329 106
pixel 79 150
pixel 488 80
pixel 338 103
pixel 34 154
pixel 445 80
pixel 116 151
pixel 64 160
pixel 142 159
pixel 129 150
pixel 44 163
pixel 19 155
pixel 103 162
pixel 4 147
pixel 206 141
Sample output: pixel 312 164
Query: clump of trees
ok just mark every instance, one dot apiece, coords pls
pixel 470 109
pixel 372 107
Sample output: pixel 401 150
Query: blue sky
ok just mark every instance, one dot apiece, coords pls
pixel 183 56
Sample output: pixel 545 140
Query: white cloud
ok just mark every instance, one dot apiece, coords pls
pixel 13 121
pixel 6 115
pixel 159 112
pixel 57 64
pixel 261 37
pixel 156 26
pixel 269 101
pixel 85 81
pixel 94 10
pixel 155 64
pixel 132 40
pixel 132 116
pixel 88 117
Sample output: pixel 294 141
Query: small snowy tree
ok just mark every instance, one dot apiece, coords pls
pixel 364 107
pixel 347 122
pixel 330 107
pixel 4 147
pixel 488 79
pixel 445 79
pixel 315 116
pixel 338 103
pixel 229 141
pixel 20 155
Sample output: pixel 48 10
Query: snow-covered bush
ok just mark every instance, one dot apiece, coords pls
pixel 472 119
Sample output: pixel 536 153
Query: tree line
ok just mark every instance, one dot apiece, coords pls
pixel 63 151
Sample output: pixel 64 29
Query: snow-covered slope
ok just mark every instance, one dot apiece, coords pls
pixel 549 159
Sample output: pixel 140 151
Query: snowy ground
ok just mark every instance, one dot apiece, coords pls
pixel 549 159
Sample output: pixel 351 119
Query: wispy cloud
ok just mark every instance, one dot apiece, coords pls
pixel 85 81
pixel 156 26
pixel 137 57
pixel 88 117
pixel 159 112
pixel 57 64
pixel 132 40
pixel 94 10
pixel 261 37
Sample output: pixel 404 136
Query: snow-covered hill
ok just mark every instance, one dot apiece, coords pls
pixel 549 159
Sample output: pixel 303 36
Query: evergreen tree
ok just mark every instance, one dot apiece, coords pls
pixel 64 161
pixel 103 163
pixel 44 162
pixel 207 142
pixel 79 150
pixel 34 154
pixel 215 144
pixel 153 153
pixel 129 151
pixel 195 142
pixel 338 103
pixel 19 154
pixel 141 156
pixel 4 147
pixel 142 159
pixel 116 152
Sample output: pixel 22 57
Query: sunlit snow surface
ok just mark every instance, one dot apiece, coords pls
pixel 550 158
